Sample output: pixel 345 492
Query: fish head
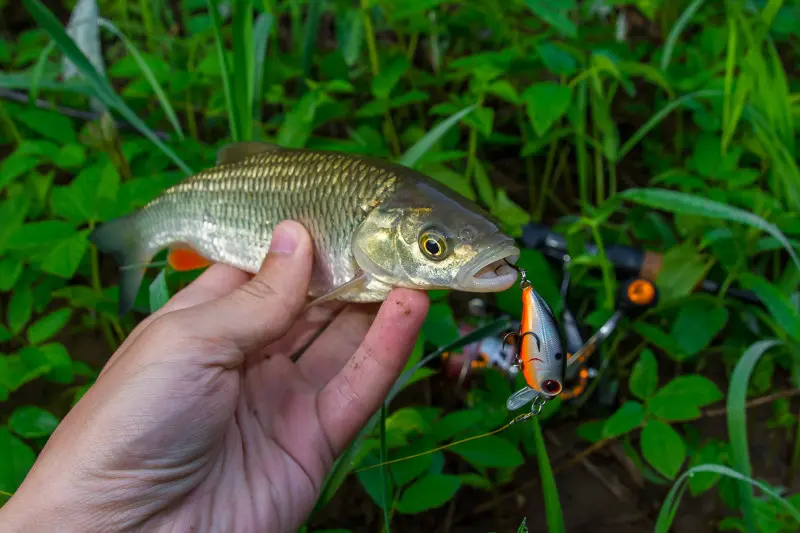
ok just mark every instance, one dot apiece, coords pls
pixel 550 358
pixel 427 237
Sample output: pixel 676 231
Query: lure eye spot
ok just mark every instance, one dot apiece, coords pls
pixel 551 386
pixel 558 356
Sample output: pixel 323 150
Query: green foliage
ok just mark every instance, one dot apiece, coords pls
pixel 677 136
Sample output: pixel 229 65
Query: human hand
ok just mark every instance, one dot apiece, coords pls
pixel 201 421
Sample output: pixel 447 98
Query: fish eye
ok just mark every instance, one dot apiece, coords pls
pixel 551 386
pixel 558 356
pixel 433 245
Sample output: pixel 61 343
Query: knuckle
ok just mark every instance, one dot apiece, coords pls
pixel 259 288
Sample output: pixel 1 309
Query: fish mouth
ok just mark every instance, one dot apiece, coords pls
pixel 490 271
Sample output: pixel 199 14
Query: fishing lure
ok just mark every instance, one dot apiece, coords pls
pixel 541 356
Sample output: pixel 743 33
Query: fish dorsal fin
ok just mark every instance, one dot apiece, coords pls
pixel 235 152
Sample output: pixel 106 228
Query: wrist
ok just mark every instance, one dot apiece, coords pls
pixel 33 511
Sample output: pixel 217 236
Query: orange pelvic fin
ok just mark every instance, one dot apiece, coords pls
pixel 184 259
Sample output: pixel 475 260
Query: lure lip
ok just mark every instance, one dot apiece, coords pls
pixel 490 271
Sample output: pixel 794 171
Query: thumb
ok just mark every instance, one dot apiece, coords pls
pixel 263 309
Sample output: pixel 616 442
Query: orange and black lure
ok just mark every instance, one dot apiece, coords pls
pixel 541 357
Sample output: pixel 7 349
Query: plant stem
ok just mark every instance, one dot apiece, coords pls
pixel 192 121
pixel 371 45
pixel 147 20
pixel 548 172
pixel 605 266
pixel 9 128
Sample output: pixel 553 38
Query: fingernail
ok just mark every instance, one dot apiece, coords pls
pixel 284 239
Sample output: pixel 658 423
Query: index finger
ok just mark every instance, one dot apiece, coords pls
pixel 352 396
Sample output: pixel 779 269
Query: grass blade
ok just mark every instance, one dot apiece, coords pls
pixel 163 100
pixel 384 456
pixel 45 18
pixel 689 204
pixel 676 32
pixel 243 67
pixel 421 147
pixel 658 117
pixel 552 504
pixel 310 38
pixel 38 71
pixel 673 499
pixel 261 40
pixel 216 22
pixel 737 422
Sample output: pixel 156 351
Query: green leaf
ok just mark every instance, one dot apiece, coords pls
pixel 47 326
pixel 408 470
pixel 656 336
pixel 681 398
pixel 472 479
pixel 628 417
pixel 557 60
pixel 429 492
pixel 30 422
pixel 296 128
pixel 40 234
pixel 511 215
pixel 48 124
pixel 390 75
pixel 20 308
pixel 697 324
pixel 65 257
pixel 681 271
pixel 5 334
pixel 592 430
pixel 53 358
pixel 70 156
pixel 440 326
pixel 778 304
pixel 17 460
pixel 555 14
pixel 688 204
pixel 710 452
pixel 14 372
pixel 350 34
pixel 504 90
pixel 644 376
pixel 15 165
pixel 489 451
pixel 12 214
pixel 663 448
pixel 546 102
pixel 421 147
pixel 10 269
pixel 159 292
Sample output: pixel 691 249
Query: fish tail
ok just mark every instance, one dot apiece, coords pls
pixel 121 239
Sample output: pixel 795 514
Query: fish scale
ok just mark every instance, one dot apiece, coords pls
pixel 375 225
pixel 239 205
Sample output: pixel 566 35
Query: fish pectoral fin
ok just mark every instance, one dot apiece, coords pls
pixel 357 284
pixel 185 259
pixel 239 151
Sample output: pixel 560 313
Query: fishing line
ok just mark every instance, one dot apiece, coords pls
pixel 520 418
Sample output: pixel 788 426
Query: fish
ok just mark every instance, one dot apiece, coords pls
pixel 541 357
pixel 375 225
